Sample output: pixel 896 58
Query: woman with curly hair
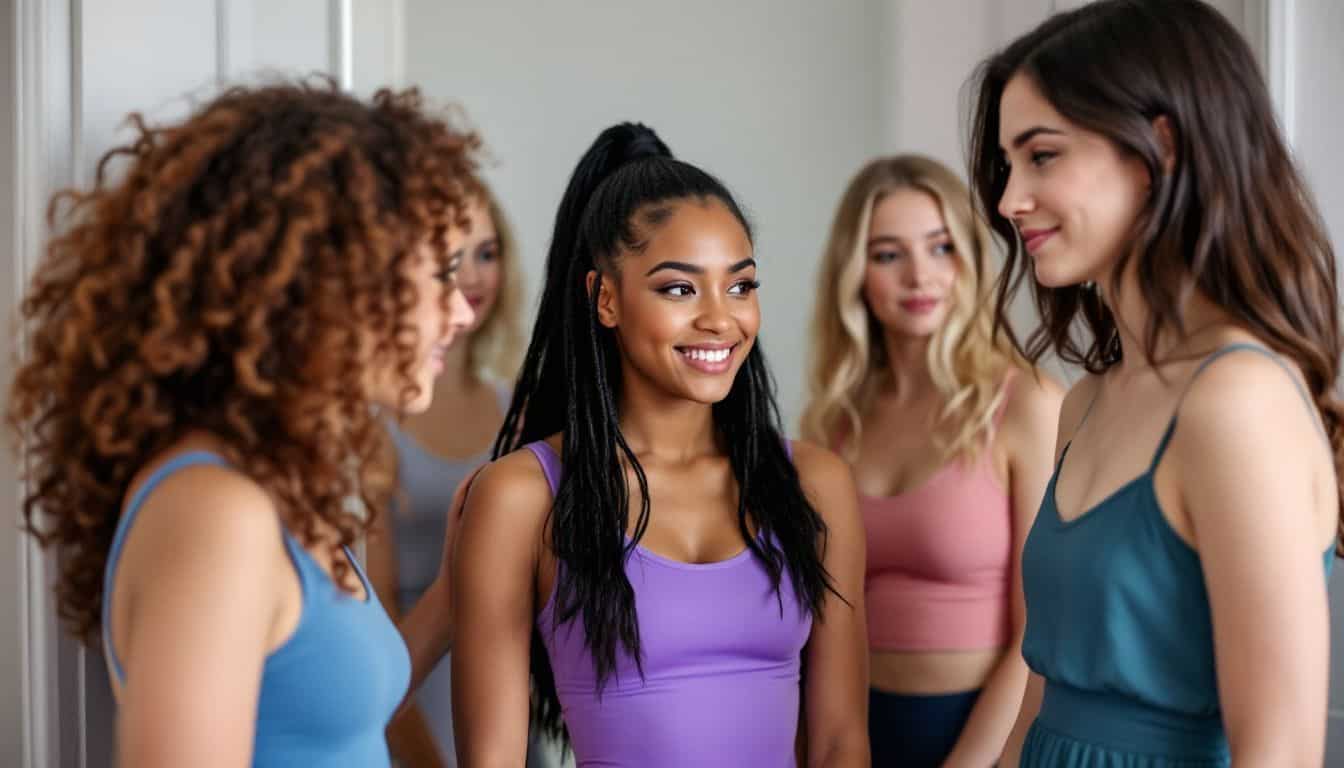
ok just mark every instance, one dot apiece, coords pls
pixel 949 435
pixel 210 340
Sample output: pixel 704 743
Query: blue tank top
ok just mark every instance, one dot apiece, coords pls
pixel 1118 620
pixel 328 692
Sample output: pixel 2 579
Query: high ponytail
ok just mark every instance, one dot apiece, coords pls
pixel 570 383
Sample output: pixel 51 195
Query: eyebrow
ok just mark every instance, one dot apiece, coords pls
pixel 939 232
pixel 682 266
pixel 1033 132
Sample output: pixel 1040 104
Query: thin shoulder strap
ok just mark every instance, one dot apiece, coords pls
pixel 1220 352
pixel 1077 429
pixel 181 461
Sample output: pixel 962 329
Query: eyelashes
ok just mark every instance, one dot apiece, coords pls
pixel 681 290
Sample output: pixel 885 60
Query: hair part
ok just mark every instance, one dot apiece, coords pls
pixel 1232 218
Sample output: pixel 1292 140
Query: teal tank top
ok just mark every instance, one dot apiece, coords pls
pixel 1119 625
pixel 328 692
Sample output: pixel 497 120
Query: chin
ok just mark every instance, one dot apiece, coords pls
pixel 708 393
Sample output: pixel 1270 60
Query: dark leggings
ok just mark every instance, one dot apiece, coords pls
pixel 908 731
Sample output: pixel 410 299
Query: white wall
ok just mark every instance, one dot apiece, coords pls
pixel 1316 104
pixel 779 98
pixel 12 655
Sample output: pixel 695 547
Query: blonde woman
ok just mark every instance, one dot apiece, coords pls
pixel 436 450
pixel 950 438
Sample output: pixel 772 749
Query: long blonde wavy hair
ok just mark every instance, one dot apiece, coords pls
pixel 495 350
pixel 848 358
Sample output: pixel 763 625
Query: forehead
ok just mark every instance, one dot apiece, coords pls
pixel 907 213
pixel 480 225
pixel 1022 107
pixel 699 229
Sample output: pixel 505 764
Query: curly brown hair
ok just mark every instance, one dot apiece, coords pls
pixel 239 280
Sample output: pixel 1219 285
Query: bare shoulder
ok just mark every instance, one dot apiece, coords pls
pixel 213 507
pixel 514 489
pixel 1247 393
pixel 826 479
pixel 206 533
pixel 1033 405
pixel 818 465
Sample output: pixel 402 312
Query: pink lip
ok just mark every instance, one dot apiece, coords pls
pixel 712 367
pixel 919 306
pixel 475 301
pixel 1035 238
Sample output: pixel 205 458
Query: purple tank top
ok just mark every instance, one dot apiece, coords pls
pixel 721 666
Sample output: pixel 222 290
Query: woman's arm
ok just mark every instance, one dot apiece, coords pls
pixel 1027 432
pixel 1255 480
pixel 495 568
pixel 1031 706
pixel 835 687
pixel 203 574
pixel 1071 414
pixel 427 628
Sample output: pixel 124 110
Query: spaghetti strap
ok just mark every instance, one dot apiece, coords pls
pixel 1065 451
pixel 1204 364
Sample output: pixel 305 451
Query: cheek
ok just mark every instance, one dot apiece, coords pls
pixel 749 316
pixel 879 285
pixel 644 319
pixel 491 276
pixel 948 269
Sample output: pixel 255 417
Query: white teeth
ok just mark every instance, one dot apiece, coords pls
pixel 708 355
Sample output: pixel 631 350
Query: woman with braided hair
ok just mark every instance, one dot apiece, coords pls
pixel 685 584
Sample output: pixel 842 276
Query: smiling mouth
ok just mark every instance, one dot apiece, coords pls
pixel 708 359
pixel 919 306
pixel 1033 239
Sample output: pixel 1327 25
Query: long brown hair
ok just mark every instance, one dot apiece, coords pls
pixel 1232 218
pixel 240 278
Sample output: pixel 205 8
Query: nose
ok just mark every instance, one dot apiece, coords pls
pixel 714 316
pixel 1016 201
pixel 460 314
pixel 916 268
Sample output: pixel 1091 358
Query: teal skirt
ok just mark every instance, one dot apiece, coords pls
pixel 1084 729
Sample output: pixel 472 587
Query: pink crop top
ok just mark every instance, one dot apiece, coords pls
pixel 938 562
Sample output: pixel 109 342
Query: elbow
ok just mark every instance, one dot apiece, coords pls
pixel 847 750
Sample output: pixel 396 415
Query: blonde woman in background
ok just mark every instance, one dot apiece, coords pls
pixel 434 451
pixel 950 438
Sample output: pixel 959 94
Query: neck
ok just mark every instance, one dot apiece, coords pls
pixel 907 366
pixel 1132 316
pixel 655 423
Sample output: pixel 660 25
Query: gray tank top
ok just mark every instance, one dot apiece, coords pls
pixel 426 483
pixel 419 523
